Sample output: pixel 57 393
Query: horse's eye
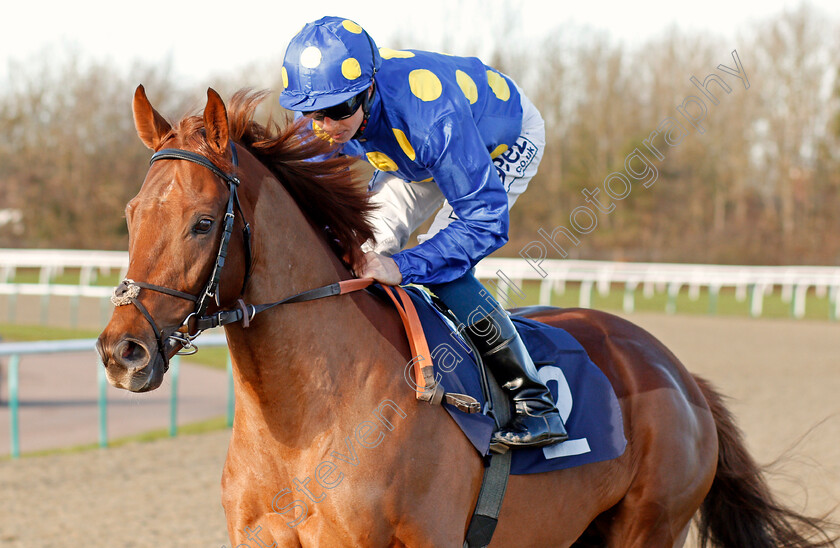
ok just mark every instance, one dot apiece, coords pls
pixel 203 226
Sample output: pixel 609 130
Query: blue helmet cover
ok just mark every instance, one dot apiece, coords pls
pixel 326 63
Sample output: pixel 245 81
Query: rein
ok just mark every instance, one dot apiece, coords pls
pixel 128 290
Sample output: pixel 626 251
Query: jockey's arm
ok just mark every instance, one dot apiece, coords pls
pixel 465 174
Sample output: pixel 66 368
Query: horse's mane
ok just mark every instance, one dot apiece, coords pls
pixel 320 182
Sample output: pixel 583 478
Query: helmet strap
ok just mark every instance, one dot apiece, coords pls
pixel 366 103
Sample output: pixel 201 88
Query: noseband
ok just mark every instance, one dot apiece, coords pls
pixel 128 290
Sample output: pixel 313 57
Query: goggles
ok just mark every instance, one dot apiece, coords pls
pixel 338 112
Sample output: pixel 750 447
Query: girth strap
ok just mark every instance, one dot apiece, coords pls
pixel 494 483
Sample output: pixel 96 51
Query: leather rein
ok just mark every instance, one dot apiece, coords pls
pixel 128 290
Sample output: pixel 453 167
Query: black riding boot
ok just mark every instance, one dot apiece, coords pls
pixel 537 421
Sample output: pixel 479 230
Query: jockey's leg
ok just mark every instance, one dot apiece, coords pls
pixel 536 421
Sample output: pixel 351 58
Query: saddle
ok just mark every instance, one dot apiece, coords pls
pixel 447 371
pixel 453 376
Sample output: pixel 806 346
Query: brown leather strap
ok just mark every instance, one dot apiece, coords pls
pixel 355 284
pixel 426 389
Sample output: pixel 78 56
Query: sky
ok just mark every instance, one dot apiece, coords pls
pixel 201 38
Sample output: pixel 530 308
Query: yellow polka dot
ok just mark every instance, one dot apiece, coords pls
pixel 285 76
pixel 429 180
pixel 310 57
pixel 499 85
pixel 499 150
pixel 319 131
pixel 467 86
pixel 404 144
pixel 381 161
pixel 350 69
pixel 424 84
pixel 351 26
pixel 388 53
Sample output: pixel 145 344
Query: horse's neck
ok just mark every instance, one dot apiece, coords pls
pixel 319 386
pixel 301 368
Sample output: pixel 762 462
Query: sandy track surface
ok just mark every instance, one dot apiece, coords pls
pixel 59 404
pixel 160 494
pixel 782 378
pixel 782 382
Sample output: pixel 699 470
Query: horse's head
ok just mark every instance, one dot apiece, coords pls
pixel 177 224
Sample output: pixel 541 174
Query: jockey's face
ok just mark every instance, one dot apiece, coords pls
pixel 341 131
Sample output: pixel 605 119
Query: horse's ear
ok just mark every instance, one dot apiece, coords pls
pixel 151 126
pixel 215 122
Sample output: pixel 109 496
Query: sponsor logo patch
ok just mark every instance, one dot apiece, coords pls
pixel 515 160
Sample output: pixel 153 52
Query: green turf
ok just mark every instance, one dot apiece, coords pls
pixel 726 303
pixel 70 276
pixel 214 357
pixel 14 332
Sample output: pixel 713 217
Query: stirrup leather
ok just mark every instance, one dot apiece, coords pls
pixel 427 388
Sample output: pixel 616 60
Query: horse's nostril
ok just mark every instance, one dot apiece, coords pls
pixel 131 354
pixel 128 349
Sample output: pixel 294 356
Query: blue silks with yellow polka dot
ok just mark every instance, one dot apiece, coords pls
pixel 434 117
pixel 443 118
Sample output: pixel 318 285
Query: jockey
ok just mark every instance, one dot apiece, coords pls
pixel 439 130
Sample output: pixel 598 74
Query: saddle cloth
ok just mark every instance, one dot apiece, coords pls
pixel 584 396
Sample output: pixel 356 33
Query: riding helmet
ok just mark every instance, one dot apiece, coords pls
pixel 329 61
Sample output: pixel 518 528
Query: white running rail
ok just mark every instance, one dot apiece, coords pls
pixel 504 276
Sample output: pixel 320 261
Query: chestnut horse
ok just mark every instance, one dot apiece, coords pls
pixel 329 446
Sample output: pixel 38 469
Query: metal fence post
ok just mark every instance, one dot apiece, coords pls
pixel 585 297
pixel 102 403
pixel 671 304
pixel 713 299
pixel 14 362
pixel 174 370
pixel 629 301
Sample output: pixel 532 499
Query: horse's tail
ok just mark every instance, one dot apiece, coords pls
pixel 740 510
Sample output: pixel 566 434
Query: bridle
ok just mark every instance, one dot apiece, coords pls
pixel 128 290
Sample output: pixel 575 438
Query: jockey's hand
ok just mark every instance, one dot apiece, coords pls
pixel 381 268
